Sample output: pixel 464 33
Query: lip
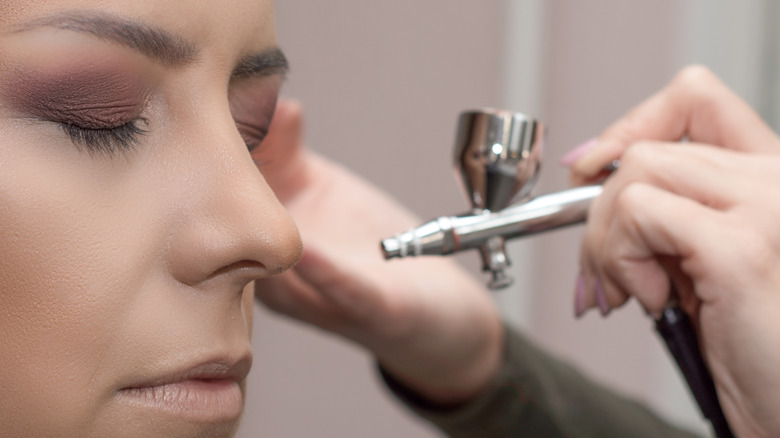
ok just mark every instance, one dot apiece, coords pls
pixel 211 391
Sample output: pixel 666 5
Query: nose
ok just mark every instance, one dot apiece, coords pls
pixel 230 225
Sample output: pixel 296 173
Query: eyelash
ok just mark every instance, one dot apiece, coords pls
pixel 127 136
pixel 109 140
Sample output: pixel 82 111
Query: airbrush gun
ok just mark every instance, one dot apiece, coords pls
pixel 498 156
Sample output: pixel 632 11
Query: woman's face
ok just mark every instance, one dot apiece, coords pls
pixel 132 216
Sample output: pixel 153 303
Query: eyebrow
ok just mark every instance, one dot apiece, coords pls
pixel 156 43
pixel 269 62
pixel 153 42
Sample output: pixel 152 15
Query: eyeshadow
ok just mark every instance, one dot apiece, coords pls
pixel 89 97
pixel 252 108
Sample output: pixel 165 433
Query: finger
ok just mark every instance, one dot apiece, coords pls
pixel 711 176
pixel 695 105
pixel 693 171
pixel 648 224
pixel 690 170
pixel 718 179
pixel 285 133
pixel 280 156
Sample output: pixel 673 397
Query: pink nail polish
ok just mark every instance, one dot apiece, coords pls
pixel 572 156
pixel 579 296
pixel 601 299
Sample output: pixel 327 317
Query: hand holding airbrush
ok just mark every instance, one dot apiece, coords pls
pixel 498 154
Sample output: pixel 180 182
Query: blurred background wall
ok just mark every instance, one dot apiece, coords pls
pixel 382 82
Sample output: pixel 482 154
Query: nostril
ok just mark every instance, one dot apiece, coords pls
pixel 250 267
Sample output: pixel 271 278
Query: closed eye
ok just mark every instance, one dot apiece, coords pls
pixel 108 140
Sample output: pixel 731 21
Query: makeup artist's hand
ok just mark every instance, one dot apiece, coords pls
pixel 427 321
pixel 704 213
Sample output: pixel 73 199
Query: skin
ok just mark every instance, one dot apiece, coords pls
pixel 121 267
pixel 702 214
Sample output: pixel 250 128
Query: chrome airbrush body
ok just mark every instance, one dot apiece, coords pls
pixel 498 155
pixel 450 234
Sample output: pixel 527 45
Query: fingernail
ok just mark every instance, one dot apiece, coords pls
pixel 601 299
pixel 572 156
pixel 579 297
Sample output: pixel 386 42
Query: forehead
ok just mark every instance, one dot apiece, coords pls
pixel 243 25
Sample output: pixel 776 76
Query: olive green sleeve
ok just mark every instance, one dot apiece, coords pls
pixel 536 395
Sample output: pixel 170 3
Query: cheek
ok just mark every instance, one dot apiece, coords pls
pixel 63 288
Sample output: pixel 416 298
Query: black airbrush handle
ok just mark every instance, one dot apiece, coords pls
pixel 677 331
